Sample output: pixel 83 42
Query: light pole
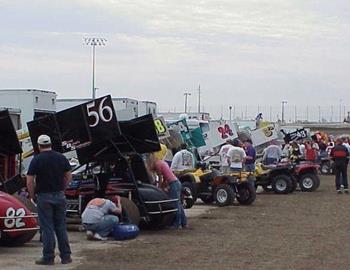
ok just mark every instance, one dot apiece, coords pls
pixel 283 103
pixel 186 94
pixel 93 41
pixel 230 108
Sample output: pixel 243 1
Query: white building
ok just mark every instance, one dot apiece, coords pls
pixel 27 103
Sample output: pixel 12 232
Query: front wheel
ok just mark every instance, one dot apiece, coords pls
pixel 224 195
pixel 282 184
pixel 309 182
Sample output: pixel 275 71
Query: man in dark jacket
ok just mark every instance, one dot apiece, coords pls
pixel 340 156
pixel 47 177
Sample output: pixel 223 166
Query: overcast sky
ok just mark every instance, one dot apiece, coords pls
pixel 241 52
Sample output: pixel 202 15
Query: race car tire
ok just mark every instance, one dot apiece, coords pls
pixel 130 210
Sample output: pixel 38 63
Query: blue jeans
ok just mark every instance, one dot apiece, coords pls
pixel 105 226
pixel 250 167
pixel 52 220
pixel 175 193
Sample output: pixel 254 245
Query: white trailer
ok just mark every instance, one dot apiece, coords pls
pixel 29 102
pixel 147 107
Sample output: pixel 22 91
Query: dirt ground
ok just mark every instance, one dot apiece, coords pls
pixel 295 231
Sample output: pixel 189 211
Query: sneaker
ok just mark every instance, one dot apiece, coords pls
pixel 99 237
pixel 339 191
pixel 89 235
pixel 42 261
pixel 346 191
pixel 67 260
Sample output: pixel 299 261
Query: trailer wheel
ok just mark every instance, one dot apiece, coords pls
pixel 130 211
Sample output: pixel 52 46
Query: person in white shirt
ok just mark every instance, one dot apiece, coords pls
pixel 223 156
pixel 272 154
pixel 236 156
pixel 183 160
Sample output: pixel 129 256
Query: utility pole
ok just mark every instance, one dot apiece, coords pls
pixel 186 94
pixel 283 103
pixel 230 108
pixel 332 113
pixel 319 114
pixel 340 111
pixel 199 98
pixel 94 42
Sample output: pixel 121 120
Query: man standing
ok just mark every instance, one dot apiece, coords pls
pixel 340 156
pixel 47 177
pixel 236 156
pixel 183 160
pixel 223 156
pixel 251 156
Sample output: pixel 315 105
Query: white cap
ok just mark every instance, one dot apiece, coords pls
pixel 44 140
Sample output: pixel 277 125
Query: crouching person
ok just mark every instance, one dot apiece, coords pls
pixel 99 218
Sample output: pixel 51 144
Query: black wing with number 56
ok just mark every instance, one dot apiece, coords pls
pixel 91 122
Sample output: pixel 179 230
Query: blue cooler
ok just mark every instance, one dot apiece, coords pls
pixel 125 231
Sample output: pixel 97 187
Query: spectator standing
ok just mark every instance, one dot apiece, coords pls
pixel 340 156
pixel 272 154
pixel 236 156
pixel 250 156
pixel 167 178
pixel 183 160
pixel 47 177
pixel 223 156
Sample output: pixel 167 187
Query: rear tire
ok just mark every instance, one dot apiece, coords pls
pixel 188 202
pixel 246 193
pixel 282 184
pixel 224 195
pixel 131 210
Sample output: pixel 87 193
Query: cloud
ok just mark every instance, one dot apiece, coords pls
pixel 257 50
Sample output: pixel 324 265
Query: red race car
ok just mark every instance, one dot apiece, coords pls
pixel 18 224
